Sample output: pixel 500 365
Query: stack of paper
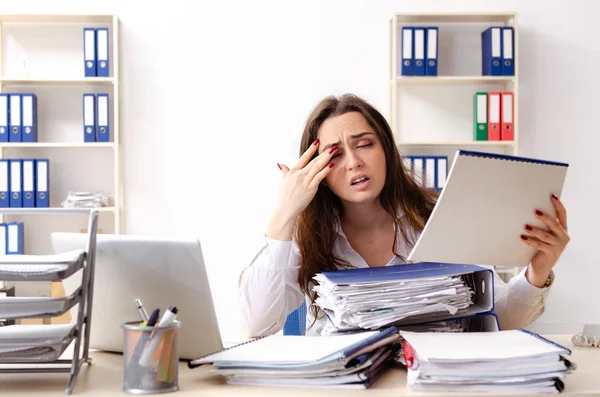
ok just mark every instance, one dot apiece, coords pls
pixel 373 298
pixel 346 361
pixel 514 361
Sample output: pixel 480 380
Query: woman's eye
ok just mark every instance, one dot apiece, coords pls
pixel 365 145
pixel 336 155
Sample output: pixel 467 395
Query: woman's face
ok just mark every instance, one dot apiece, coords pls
pixel 358 175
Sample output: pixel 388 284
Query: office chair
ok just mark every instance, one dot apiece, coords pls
pixel 295 323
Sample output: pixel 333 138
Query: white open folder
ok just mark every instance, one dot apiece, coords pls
pixel 482 211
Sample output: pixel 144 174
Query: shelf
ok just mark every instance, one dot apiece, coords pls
pixel 53 211
pixel 453 79
pixel 39 18
pixel 458 143
pixel 57 145
pixel 58 81
pixel 454 17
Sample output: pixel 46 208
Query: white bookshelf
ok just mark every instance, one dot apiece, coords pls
pixel 53 45
pixel 433 115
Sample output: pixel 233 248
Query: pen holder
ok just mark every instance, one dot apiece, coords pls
pixel 150 358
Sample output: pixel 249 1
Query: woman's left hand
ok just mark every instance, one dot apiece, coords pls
pixel 550 243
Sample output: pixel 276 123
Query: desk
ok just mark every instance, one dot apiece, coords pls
pixel 104 377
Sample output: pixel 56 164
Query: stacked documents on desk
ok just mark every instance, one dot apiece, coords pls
pixel 514 361
pixel 341 361
pixel 410 294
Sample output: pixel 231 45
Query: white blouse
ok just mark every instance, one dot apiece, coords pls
pixel 269 289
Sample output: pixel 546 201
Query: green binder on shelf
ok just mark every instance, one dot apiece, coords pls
pixel 480 116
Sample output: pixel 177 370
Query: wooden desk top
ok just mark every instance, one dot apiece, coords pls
pixel 104 377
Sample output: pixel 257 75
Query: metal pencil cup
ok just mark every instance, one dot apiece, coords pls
pixel 150 358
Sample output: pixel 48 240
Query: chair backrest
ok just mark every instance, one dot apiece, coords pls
pixel 295 324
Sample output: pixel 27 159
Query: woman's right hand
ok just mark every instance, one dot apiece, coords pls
pixel 298 187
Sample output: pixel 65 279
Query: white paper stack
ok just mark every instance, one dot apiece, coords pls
pixel 373 304
pixel 512 361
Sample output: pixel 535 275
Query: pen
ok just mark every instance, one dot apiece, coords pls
pixel 141 310
pixel 148 354
pixel 144 338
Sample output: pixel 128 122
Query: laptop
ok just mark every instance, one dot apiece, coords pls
pixel 161 272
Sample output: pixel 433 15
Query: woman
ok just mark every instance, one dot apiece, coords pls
pixel 348 202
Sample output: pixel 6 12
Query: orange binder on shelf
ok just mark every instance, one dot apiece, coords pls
pixel 494 115
pixel 507 132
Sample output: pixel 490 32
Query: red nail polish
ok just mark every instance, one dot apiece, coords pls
pixel 279 165
pixel 554 197
pixel 330 165
pixel 333 149
pixel 528 227
pixel 316 142
pixel 539 213
pixel 523 237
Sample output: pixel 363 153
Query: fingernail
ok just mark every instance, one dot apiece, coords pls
pixel 528 227
pixel 538 213
pixel 333 149
pixel 330 165
pixel 554 197
pixel 279 165
pixel 316 142
pixel 523 237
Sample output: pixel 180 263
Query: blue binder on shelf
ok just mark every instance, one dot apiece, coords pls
pixel 89 52
pixel 29 180
pixel 508 53
pixel 431 66
pixel 16 183
pixel 420 49
pixel 102 57
pixel 102 128
pixel 42 184
pixel 14 238
pixel 89 118
pixel 407 51
pixel 4 183
pixel 15 118
pixel 491 51
pixel 29 119
pixel 481 280
pixel 4 118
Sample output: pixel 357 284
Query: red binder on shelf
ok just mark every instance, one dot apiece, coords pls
pixel 494 115
pixel 507 125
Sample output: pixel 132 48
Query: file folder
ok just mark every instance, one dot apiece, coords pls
pixel 3 239
pixel 494 113
pixel 15 118
pixel 4 183
pixel 480 116
pixel 28 183
pixel 102 52
pixel 479 278
pixel 508 61
pixel 441 172
pixel 89 52
pixel 407 51
pixel 430 164
pixel 42 175
pixel 507 126
pixel 29 122
pixel 16 183
pixel 491 51
pixel 103 131
pixel 4 118
pixel 15 235
pixel 431 68
pixel 419 51
pixel 418 171
pixel 89 118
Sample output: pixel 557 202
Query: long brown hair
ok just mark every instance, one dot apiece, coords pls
pixel 315 228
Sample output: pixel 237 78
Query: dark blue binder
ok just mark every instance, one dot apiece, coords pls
pixel 491 51
pixel 407 51
pixel 431 40
pixel 508 51
pixel 419 50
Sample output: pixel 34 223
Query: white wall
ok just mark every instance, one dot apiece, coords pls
pixel 215 94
